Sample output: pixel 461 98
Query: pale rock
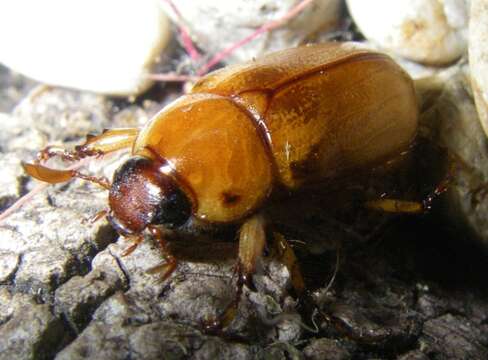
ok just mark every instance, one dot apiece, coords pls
pixel 478 58
pixel 428 31
pixel 33 333
pixel 79 297
pixel 12 304
pixel 9 262
pixel 454 121
pixel 101 46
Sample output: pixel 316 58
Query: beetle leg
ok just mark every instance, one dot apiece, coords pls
pixel 252 238
pixel 170 264
pixel 135 243
pixel 108 141
pixel 96 217
pixel 287 257
pixel 51 151
pixel 306 304
pixel 396 206
pixel 409 207
pixel 418 207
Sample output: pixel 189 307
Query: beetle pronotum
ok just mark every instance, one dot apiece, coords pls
pixel 290 120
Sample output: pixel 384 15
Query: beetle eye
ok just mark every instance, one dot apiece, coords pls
pixel 173 210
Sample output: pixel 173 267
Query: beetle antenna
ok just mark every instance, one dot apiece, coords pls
pixel 101 181
pixel 53 176
pixel 36 190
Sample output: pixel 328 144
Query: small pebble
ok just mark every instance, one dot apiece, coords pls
pixel 478 58
pixel 428 31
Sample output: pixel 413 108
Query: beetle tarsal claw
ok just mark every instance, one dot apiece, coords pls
pixel 52 151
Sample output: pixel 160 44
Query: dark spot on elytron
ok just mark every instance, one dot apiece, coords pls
pixel 230 199
pixel 306 167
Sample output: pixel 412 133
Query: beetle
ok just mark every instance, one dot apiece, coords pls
pixel 296 119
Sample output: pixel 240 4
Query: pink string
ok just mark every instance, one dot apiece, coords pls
pixel 184 33
pixel 37 189
pixel 172 77
pixel 195 55
pixel 22 201
pixel 294 11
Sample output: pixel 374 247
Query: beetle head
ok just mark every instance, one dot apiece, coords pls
pixel 142 194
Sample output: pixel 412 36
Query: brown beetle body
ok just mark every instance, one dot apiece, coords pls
pixel 297 117
pixel 292 120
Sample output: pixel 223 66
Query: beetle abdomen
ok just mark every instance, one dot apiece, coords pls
pixel 353 115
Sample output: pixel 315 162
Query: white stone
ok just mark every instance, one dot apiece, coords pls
pixel 452 120
pixel 216 25
pixel 428 31
pixel 478 58
pixel 102 46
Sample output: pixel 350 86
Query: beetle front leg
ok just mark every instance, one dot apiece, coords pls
pixel 108 141
pixel 136 241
